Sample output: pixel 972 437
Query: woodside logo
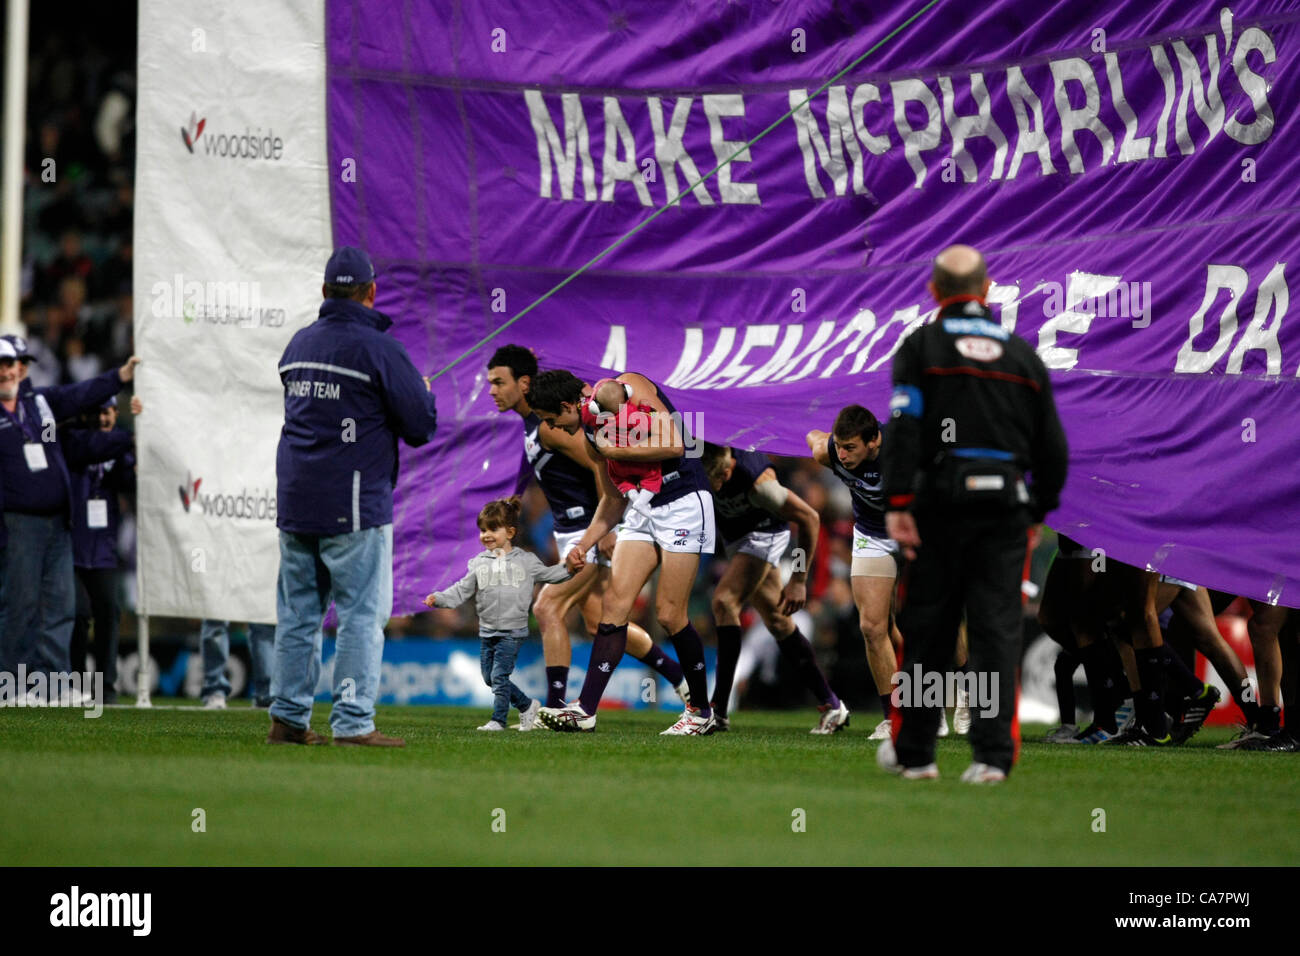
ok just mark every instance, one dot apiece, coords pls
pixel 190 135
pixel 75 908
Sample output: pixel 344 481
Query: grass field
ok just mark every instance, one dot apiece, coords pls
pixel 121 790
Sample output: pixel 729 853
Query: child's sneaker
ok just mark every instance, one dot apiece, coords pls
pixel 528 718
pixel 493 725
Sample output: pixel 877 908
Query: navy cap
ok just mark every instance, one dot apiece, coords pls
pixel 349 266
pixel 7 350
pixel 111 403
pixel 19 346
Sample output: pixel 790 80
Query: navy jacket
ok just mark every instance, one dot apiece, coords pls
pixel 108 473
pixel 49 491
pixel 350 392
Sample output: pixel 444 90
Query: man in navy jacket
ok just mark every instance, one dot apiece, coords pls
pixel 350 392
pixel 36 497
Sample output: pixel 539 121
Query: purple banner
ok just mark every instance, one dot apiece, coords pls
pixel 1129 172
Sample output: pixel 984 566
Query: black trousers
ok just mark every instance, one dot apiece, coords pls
pixel 97 602
pixel 974 563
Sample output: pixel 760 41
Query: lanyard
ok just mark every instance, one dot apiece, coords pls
pixel 21 420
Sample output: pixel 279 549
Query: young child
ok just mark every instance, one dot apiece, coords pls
pixel 501 582
pixel 608 403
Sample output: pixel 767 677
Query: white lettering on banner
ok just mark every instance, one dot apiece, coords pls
pixel 862 344
pixel 1272 300
pixel 833 137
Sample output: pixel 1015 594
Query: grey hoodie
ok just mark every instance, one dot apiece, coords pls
pixel 502 587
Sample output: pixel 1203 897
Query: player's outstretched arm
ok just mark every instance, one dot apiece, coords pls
pixel 817 444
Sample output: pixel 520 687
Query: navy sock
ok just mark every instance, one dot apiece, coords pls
pixel 690 651
pixel 1150 700
pixel 658 659
pixel 1101 686
pixel 728 655
pixel 1269 721
pixel 1182 680
pixel 796 647
pixel 886 704
pixel 557 681
pixel 1066 665
pixel 606 651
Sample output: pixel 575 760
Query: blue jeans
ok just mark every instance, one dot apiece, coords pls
pixel 40 594
pixel 496 658
pixel 214 644
pixel 355 570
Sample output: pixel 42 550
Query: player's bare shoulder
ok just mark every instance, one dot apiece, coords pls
pixel 644 391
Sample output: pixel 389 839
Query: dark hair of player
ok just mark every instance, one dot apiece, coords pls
pixel 713 458
pixel 553 388
pixel 353 290
pixel 501 513
pixel 519 360
pixel 854 421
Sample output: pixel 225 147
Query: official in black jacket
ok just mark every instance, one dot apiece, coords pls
pixel 975 454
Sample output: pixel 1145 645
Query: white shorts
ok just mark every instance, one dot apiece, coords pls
pixel 767 546
pixel 565 541
pixel 1166 579
pixel 868 546
pixel 873 557
pixel 684 526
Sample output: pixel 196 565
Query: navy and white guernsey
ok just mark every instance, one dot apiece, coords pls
pixel 736 515
pixel 569 488
pixel 682 476
pixel 867 486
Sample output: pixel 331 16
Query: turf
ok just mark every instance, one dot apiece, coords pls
pixel 122 790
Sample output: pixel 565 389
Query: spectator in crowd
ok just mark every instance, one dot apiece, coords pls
pixel 36 492
pixel 214 644
pixel 96 520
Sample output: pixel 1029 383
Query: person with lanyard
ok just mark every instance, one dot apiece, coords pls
pixel 96 520
pixel 971 413
pixel 36 496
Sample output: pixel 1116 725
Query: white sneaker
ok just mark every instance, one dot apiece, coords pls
pixel 887 760
pixel 1125 715
pixel 691 724
pixel 215 701
pixel 569 719
pixel 961 715
pixel 1063 734
pixel 684 692
pixel 884 730
pixel 1244 734
pixel 528 718
pixel 833 719
pixel 492 725
pixel 943 723
pixel 983 773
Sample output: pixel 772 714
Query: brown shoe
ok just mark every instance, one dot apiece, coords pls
pixel 372 739
pixel 282 733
